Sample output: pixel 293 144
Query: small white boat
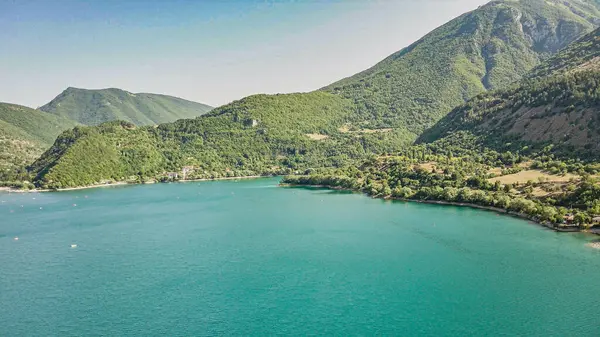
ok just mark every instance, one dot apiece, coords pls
pixel 73 246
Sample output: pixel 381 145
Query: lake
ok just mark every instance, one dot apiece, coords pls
pixel 250 258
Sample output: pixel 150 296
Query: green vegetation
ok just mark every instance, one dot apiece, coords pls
pixel 92 107
pixel 380 110
pixel 38 126
pixel 423 175
pixel 257 135
pixel 488 48
pixel 555 106
pixel 530 149
pixel 24 135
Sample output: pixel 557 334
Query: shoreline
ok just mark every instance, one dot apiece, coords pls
pixel 16 190
pixel 497 210
pixel 500 211
pixel 223 178
pixel 123 183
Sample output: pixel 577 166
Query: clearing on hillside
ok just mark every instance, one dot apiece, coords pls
pixel 533 175
pixel 316 136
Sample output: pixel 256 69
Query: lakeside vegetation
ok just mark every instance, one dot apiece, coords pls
pixel 547 196
pixel 530 150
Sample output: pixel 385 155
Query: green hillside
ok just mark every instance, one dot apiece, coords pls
pixel 557 105
pixel 378 111
pixel 92 107
pixel 488 48
pixel 257 135
pixel 531 150
pixel 25 133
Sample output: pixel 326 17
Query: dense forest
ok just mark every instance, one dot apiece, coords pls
pixel 561 194
pixel 24 135
pixel 239 139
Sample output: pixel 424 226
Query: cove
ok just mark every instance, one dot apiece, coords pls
pixel 250 258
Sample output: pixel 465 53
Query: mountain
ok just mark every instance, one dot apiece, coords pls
pixel 487 48
pixel 92 107
pixel 25 133
pixel 557 104
pixel 255 135
pixel 378 111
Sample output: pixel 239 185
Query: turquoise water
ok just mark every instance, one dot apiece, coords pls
pixel 251 258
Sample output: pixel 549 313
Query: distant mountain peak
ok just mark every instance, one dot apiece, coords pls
pixel 96 106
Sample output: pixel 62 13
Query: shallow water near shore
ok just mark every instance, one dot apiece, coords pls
pixel 250 258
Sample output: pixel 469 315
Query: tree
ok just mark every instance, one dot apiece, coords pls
pixel 595 207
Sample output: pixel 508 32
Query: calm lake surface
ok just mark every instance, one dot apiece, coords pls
pixel 250 258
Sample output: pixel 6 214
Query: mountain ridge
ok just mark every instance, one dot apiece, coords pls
pixel 25 133
pixel 487 48
pixel 96 106
pixel 556 104
pixel 361 117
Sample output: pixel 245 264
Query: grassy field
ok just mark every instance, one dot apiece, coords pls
pixel 428 166
pixel 316 136
pixel 533 175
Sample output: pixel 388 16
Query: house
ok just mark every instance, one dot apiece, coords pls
pixel 186 170
pixel 172 175
pixel 568 218
pixel 251 122
pixel 596 220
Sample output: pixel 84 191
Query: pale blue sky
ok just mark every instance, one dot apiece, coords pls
pixel 208 51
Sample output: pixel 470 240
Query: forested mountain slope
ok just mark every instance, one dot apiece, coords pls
pixel 92 107
pixel 25 133
pixel 256 135
pixel 378 111
pixel 557 104
pixel 487 48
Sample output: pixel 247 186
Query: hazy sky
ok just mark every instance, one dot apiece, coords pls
pixel 208 51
